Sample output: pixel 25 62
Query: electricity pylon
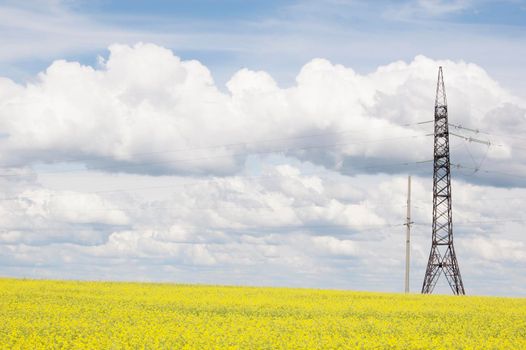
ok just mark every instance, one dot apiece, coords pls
pixel 442 257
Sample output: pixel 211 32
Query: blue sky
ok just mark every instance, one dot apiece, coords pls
pixel 275 36
pixel 258 142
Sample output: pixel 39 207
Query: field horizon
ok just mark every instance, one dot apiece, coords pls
pixel 254 286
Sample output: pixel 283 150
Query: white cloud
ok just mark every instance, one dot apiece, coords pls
pixel 440 7
pixel 147 111
pixel 71 207
pixel 240 225
pixel 335 246
pixel 282 209
pixel 418 10
pixel 498 250
pixel 360 33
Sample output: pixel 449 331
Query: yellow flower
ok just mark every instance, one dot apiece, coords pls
pixel 96 315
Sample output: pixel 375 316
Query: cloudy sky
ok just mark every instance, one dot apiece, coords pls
pixel 259 142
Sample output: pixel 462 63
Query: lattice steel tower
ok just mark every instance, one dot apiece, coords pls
pixel 442 257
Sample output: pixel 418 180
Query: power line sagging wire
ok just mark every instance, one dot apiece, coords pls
pixel 478 165
pixel 230 145
pixel 478 223
pixel 239 228
pixel 219 180
pixel 477 131
pixel 460 166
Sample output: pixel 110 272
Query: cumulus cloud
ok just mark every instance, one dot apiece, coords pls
pixel 143 163
pixel 293 223
pixel 144 110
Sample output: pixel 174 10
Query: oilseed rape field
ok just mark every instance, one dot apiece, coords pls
pixel 99 315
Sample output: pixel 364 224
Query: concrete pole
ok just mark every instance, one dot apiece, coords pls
pixel 408 235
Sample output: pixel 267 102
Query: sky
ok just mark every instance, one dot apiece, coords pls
pixel 259 142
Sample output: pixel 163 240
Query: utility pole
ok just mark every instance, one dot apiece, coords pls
pixel 408 235
pixel 442 257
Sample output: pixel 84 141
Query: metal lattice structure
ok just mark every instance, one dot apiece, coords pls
pixel 442 257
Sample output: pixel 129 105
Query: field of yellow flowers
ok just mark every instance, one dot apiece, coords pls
pixel 97 315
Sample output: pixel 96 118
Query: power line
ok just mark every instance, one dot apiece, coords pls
pixel 241 227
pixel 459 166
pixel 471 139
pixel 477 131
pixel 206 182
pixel 214 157
pixel 478 167
pixel 248 207
pixel 238 144
pixel 485 142
pixel 476 223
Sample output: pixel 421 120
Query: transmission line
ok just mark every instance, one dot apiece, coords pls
pixel 206 182
pixel 182 160
pixel 238 144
